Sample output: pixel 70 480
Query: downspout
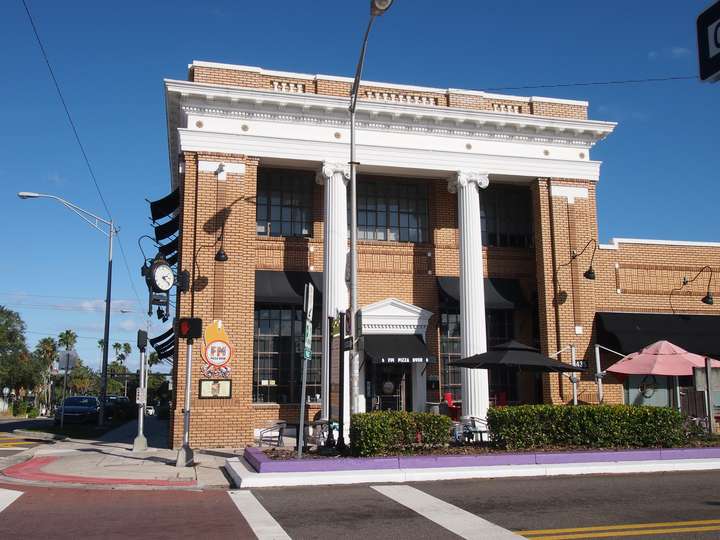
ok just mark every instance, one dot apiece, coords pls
pixel 553 251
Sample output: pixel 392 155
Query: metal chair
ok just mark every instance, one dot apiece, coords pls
pixel 476 429
pixel 273 434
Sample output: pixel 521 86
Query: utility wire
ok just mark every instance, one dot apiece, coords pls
pixel 595 83
pixel 79 142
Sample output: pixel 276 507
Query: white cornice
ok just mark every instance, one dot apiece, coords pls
pixel 615 243
pixel 224 99
pixel 310 127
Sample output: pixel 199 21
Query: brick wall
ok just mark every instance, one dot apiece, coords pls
pixel 632 278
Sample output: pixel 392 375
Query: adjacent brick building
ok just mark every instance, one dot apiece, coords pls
pixel 252 152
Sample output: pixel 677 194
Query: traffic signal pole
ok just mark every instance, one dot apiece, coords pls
pixel 185 454
pixel 140 442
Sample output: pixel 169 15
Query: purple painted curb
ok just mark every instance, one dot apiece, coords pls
pixel 263 464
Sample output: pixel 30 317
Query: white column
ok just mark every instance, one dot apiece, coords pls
pixel 475 387
pixel 334 177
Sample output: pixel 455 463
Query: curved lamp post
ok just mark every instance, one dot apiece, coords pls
pixel 377 7
pixel 96 222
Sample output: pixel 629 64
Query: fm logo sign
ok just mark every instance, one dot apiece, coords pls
pixel 714 38
pixel 708 35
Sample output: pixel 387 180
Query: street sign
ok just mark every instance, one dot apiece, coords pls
pixel 67 360
pixel 308 301
pixel 708 36
pixel 141 396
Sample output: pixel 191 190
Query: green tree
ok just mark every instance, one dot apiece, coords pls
pixel 82 380
pixel 14 358
pixel 67 339
pixel 116 378
pixel 46 351
pixel 117 347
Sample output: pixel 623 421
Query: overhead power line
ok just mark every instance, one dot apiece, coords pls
pixel 596 83
pixel 79 142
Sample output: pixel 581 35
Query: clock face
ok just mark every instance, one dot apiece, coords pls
pixel 163 277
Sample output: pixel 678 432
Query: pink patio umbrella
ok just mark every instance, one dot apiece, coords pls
pixel 660 358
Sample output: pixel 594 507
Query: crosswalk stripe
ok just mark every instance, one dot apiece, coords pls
pixel 452 518
pixel 261 522
pixel 7 497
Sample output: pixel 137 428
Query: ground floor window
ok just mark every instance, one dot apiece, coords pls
pixel 500 328
pixel 277 355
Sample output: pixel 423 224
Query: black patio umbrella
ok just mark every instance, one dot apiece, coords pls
pixel 514 354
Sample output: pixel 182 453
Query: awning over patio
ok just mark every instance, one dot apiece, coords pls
pixel 630 332
pixel 286 287
pixel 396 349
pixel 500 293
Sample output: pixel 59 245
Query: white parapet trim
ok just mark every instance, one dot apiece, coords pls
pixel 569 192
pixel 221 169
pixel 615 243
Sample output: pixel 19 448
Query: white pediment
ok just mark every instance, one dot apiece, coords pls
pixel 393 316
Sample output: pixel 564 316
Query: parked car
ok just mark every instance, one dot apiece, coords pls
pixel 118 407
pixel 149 410
pixel 78 410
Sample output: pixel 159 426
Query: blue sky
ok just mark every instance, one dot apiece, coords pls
pixel 658 180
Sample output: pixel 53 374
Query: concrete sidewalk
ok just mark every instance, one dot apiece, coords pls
pixel 110 462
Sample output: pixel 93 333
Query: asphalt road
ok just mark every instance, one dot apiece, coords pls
pixel 651 506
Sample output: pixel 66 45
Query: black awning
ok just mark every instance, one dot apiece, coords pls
pixel 167 229
pixel 396 349
pixel 285 287
pixel 630 332
pixel 165 206
pixel 162 337
pixel 500 293
pixel 170 247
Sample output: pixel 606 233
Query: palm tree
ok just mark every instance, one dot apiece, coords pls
pixel 46 350
pixel 117 347
pixel 101 344
pixel 67 339
pixel 127 350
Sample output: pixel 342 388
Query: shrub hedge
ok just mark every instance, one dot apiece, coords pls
pixel 382 433
pixel 19 408
pixel 590 426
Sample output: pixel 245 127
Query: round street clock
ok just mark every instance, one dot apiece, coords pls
pixel 161 275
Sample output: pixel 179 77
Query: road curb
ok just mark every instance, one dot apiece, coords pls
pixel 244 476
pixel 38 435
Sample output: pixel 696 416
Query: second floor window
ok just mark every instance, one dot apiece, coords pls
pixel 392 211
pixel 284 202
pixel 507 218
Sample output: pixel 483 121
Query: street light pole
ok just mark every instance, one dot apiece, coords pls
pixel 94 221
pixel 377 7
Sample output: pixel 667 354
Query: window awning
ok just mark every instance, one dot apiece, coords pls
pixel 396 349
pixel 500 293
pixel 630 332
pixel 286 287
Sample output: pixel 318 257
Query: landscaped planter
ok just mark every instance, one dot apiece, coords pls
pixel 263 464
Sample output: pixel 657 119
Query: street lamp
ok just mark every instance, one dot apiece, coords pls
pixel 377 7
pixel 96 222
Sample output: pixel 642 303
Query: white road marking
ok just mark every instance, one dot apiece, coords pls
pixel 7 497
pixel 452 518
pixel 261 522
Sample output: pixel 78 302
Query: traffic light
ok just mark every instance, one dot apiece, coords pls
pixel 188 328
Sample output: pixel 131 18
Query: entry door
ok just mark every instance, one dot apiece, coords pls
pixel 392 388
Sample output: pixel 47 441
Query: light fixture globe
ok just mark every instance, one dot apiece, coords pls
pixel 589 273
pixel 28 195
pixel 221 256
pixel 378 7
pixel 708 299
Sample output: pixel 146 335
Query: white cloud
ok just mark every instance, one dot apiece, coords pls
pixel 670 53
pixel 679 52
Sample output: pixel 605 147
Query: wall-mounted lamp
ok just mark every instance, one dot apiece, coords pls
pixel 590 272
pixel 221 256
pixel 708 298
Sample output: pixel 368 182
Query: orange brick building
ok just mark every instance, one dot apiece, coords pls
pixel 256 155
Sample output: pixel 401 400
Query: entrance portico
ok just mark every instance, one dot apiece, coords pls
pixel 398 361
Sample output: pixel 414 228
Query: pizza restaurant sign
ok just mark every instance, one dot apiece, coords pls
pixel 216 351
